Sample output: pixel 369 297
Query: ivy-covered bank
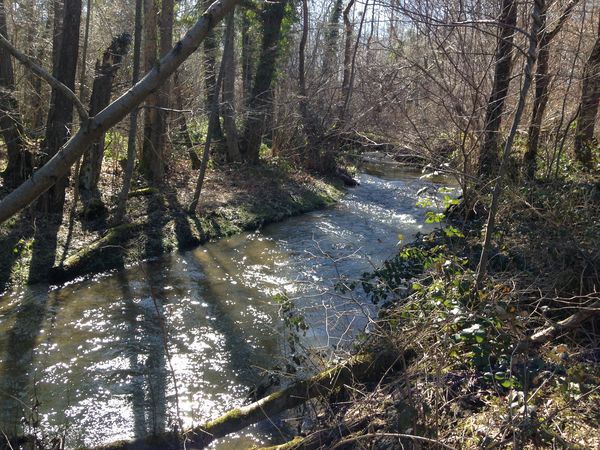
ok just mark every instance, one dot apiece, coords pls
pixel 235 198
pixel 515 364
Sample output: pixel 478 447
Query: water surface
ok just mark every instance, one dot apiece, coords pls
pixel 183 338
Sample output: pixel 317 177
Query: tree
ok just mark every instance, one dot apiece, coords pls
pixel 271 18
pixel 542 81
pixel 233 152
pixel 20 164
pixel 588 107
pixel 133 118
pixel 488 155
pixel 60 115
pixel 89 174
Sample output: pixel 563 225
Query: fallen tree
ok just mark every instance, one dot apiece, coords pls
pixel 91 129
pixel 364 368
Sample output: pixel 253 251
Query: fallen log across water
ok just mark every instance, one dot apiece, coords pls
pixel 362 368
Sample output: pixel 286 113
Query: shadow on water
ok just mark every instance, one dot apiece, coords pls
pixel 18 412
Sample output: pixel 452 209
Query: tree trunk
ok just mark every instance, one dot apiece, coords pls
pixel 152 163
pixel 499 182
pixel 247 59
pixel 184 132
pixel 588 108
pixel 60 115
pixel 20 164
pixel 347 52
pixel 89 174
pixel 233 152
pixel 210 79
pixel 133 119
pixel 542 82
pixel 59 165
pixel 272 16
pixel 164 93
pixel 332 34
pixel 488 155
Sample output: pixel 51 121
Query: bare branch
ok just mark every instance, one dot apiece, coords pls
pixel 39 71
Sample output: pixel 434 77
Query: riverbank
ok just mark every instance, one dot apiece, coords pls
pixel 515 364
pixel 234 198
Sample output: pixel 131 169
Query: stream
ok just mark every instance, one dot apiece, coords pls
pixel 183 338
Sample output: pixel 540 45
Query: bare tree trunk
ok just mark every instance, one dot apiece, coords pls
pixel 86 37
pixel 89 174
pixel 542 82
pixel 499 183
pixel 233 152
pixel 184 132
pixel 347 89
pixel 272 18
pixel 19 164
pixel 164 93
pixel 213 118
pixel 151 161
pixel 247 59
pixel 210 79
pixel 488 155
pixel 60 115
pixel 588 108
pixel 347 49
pixel 332 34
pixel 133 119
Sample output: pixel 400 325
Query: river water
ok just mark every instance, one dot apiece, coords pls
pixel 182 339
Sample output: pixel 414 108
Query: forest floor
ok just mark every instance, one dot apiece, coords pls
pixel 514 365
pixel 234 198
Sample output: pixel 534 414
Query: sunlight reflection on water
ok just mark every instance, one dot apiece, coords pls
pixel 103 359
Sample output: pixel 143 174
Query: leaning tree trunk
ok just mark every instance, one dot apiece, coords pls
pixel 233 152
pixel 488 155
pixel 60 114
pixel 89 174
pixel 20 164
pixel 588 108
pixel 272 16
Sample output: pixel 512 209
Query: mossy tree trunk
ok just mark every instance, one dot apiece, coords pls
pixel 272 18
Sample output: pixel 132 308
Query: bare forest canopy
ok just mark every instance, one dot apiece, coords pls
pixel 483 90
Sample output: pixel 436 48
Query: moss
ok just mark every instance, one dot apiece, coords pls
pixel 234 414
pixel 143 192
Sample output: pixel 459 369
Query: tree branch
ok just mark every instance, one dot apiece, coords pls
pixel 39 71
